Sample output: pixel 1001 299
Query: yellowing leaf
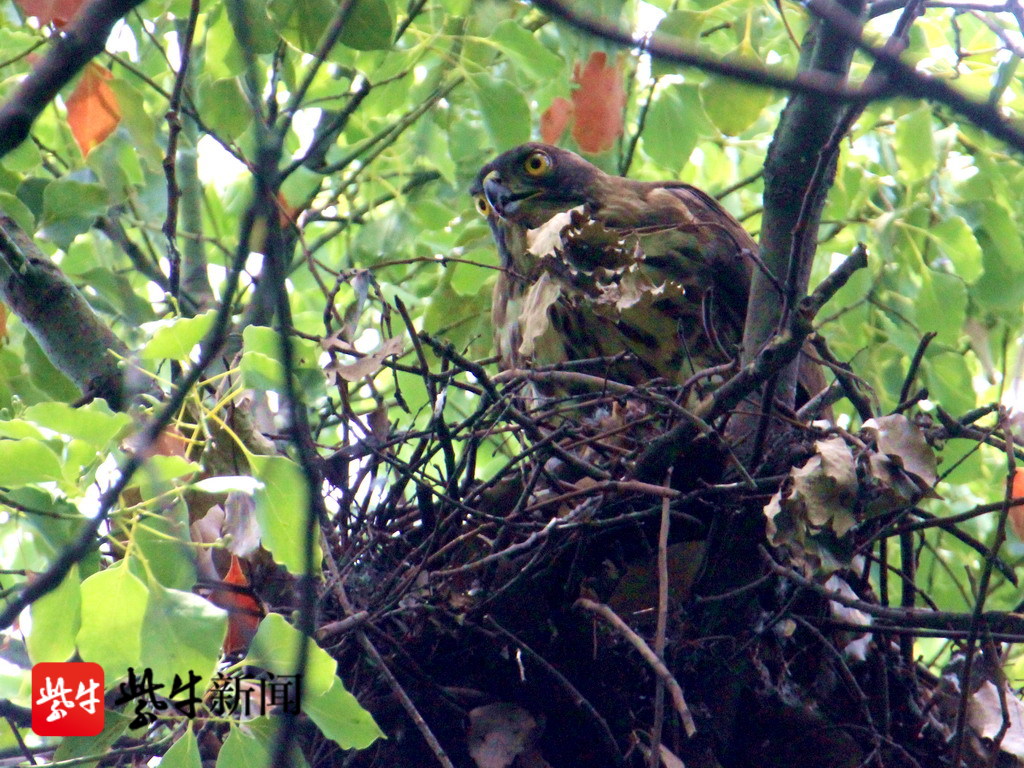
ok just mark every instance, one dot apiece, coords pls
pixel 93 110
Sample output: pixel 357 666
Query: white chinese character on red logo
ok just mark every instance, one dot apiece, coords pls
pixel 56 694
pixel 86 696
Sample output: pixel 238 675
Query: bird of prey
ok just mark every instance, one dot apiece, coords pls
pixel 645 280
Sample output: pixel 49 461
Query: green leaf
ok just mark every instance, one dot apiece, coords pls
pixel 733 107
pixel 470 279
pixel 674 124
pixel 73 748
pixel 184 753
pixel 113 610
pixel 275 648
pixel 224 107
pixel 70 207
pixel 282 505
pixel 941 305
pixel 528 53
pixel 66 198
pixel 1001 285
pixel 262 32
pixel 138 122
pixel 94 422
pixel 504 110
pixel 679 28
pixel 16 428
pixel 915 148
pixel 27 461
pixel 25 157
pixel 56 618
pixel 340 718
pixel 159 469
pixel 163 543
pixel 242 750
pixel 17 210
pixel 369 27
pixel 957 242
pixel 970 468
pixel 949 382
pixel 174 339
pixel 301 22
pixel 261 366
pixel 181 632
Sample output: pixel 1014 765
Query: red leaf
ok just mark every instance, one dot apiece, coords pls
pixel 93 111
pixel 60 12
pixel 244 610
pixel 555 120
pixel 1017 510
pixel 598 103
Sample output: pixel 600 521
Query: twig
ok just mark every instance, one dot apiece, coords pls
pixel 815 83
pixel 654 758
pixel 406 702
pixel 916 618
pixel 173 117
pixel 73 47
pixel 528 424
pixel 649 656
pixel 515 549
pixel 915 363
pixel 848 382
pixel 578 698
pixel 979 604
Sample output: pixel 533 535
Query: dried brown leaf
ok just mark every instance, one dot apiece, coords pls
pixel 985 714
pixel 499 733
pixel 364 366
pixel 900 438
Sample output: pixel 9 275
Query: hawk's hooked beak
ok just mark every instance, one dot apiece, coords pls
pixel 497 194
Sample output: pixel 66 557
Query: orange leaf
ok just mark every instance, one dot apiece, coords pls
pixel 287 213
pixel 60 12
pixel 598 103
pixel 555 119
pixel 244 610
pixel 93 111
pixel 1017 510
pixel 170 442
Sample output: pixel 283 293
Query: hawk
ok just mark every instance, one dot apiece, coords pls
pixel 643 280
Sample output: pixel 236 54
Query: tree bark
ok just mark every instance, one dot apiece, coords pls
pixel 794 195
pixel 73 337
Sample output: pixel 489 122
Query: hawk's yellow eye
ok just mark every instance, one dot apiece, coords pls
pixel 482 206
pixel 537 164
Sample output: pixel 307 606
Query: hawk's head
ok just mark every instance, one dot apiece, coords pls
pixel 531 183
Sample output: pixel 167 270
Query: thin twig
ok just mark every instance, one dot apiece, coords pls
pixel 654 758
pixel 649 656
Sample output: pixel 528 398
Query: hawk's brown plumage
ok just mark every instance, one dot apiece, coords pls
pixel 655 269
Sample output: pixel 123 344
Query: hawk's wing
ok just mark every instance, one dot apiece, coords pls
pixel 600 291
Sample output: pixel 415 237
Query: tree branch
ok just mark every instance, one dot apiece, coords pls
pixel 73 47
pixel 76 341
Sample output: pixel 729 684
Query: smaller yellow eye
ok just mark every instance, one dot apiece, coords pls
pixel 482 206
pixel 537 164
